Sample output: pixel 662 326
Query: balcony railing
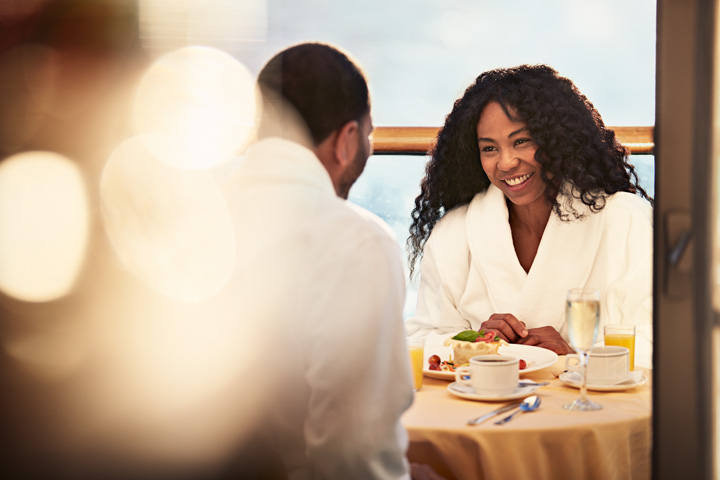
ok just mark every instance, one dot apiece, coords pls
pixel 417 140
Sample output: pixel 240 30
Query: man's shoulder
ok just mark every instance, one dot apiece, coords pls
pixel 353 239
pixel 353 232
pixel 368 221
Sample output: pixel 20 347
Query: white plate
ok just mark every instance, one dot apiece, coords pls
pixel 468 393
pixel 537 358
pixel 635 379
pixel 439 374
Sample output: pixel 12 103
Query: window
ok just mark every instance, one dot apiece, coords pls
pixel 420 55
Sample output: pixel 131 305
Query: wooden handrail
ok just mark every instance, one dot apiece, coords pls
pixel 417 140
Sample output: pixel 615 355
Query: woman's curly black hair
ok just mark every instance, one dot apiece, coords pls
pixel 573 145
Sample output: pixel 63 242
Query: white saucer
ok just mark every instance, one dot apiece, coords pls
pixel 635 379
pixel 468 393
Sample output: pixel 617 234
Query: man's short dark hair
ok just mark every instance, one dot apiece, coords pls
pixel 324 86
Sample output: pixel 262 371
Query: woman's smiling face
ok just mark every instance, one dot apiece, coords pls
pixel 507 155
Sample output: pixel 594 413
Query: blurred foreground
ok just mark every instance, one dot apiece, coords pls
pixel 122 352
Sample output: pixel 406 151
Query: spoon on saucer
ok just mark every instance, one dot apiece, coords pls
pixel 529 404
pixel 530 383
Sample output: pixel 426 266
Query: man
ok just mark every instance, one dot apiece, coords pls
pixel 322 276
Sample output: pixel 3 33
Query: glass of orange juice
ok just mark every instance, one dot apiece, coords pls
pixel 416 350
pixel 623 336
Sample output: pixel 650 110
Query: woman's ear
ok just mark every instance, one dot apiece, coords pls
pixel 346 145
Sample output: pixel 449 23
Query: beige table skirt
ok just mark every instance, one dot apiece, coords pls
pixel 552 443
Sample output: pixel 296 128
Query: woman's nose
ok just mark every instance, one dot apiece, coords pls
pixel 508 161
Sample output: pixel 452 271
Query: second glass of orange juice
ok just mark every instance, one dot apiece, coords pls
pixel 416 350
pixel 623 336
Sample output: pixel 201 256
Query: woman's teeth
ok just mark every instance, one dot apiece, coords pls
pixel 518 180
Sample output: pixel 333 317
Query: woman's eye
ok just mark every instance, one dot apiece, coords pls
pixel 522 141
pixel 487 148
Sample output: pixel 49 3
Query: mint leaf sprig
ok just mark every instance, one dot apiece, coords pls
pixel 473 335
pixel 467 336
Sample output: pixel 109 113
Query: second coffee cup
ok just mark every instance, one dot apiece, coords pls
pixel 607 365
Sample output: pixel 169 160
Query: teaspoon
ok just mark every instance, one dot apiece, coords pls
pixel 530 404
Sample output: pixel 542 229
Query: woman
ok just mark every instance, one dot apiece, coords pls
pixel 527 195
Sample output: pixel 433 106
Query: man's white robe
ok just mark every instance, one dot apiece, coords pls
pixel 324 280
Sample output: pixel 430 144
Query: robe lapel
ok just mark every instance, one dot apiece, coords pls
pixel 492 250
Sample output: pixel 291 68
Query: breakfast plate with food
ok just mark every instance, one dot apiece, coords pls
pixel 441 361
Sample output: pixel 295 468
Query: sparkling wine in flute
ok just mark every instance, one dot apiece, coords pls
pixel 583 318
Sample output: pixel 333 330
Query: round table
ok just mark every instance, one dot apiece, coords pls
pixel 551 443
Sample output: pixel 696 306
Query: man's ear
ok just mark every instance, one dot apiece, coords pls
pixel 347 144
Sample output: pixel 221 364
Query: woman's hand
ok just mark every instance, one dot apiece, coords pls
pixel 547 337
pixel 505 326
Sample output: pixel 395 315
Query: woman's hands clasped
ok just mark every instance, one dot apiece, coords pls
pixel 547 337
pixel 512 330
pixel 506 326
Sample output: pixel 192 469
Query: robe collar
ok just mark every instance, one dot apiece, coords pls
pixel 564 258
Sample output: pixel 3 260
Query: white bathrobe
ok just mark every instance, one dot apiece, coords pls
pixel 324 280
pixel 470 269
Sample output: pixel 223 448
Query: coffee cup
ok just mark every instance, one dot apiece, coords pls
pixel 607 365
pixel 490 374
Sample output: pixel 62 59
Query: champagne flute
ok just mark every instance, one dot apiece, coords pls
pixel 582 315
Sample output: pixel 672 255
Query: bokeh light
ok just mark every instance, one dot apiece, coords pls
pixel 44 225
pixel 170 226
pixel 198 107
